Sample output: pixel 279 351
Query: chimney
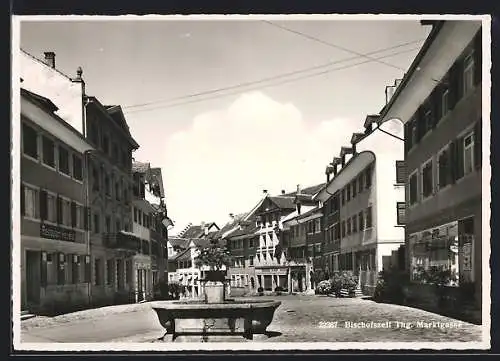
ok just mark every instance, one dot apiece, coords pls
pixel 231 215
pixel 327 175
pixel 264 192
pixel 206 230
pixel 50 59
pixel 283 191
pixel 299 191
pixel 298 208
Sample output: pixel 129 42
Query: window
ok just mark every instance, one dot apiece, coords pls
pixel 401 213
pixel 348 225
pixel 135 215
pixel 343 229
pixel 79 217
pixel 30 141
pixel 107 186
pixel 445 103
pixel 139 216
pixel 118 225
pixel 117 191
pixel 354 224
pixel 51 208
pixel 413 188
pixel 427 179
pixel 77 167
pixel 368 177
pixel 31 202
pixel 48 152
pixel 110 272
pixel 400 172
pixel 413 132
pixel 343 196
pixel 443 168
pixel 108 224
pixel 105 144
pixel 468 153
pixel 75 269
pixel 468 79
pixel 427 120
pixel 66 212
pixel 87 269
pixel 318 225
pixel 361 182
pixel 369 217
pixel 63 160
pixel 361 221
pixel 348 190
pixel 354 189
pixel 61 268
pixel 97 223
pixel 95 178
pixel 98 272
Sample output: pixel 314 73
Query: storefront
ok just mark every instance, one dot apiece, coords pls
pixel 270 278
pixel 448 248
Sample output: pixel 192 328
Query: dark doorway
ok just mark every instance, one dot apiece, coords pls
pixel 33 277
pixel 252 282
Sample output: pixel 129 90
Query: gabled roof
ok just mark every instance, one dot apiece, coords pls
pixel 193 232
pixel 312 190
pixel 178 242
pixel 42 101
pixel 283 202
pixel 157 177
pixel 113 117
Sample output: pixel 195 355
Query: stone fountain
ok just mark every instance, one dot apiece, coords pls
pixel 215 318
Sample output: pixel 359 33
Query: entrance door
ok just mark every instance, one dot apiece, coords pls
pixel 33 277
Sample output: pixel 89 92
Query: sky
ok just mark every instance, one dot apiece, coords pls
pixel 293 92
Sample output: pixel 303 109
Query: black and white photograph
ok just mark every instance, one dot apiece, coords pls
pixel 251 182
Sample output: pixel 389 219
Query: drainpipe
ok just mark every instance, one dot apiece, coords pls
pixel 86 156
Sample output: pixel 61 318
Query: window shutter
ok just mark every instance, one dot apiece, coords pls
pixel 478 57
pixel 73 214
pixel 59 209
pixel 436 105
pixel 43 204
pixel 453 162
pixel 454 79
pixel 460 158
pixel 478 144
pixel 23 200
pixel 86 218
pixel 420 123
pixel 43 269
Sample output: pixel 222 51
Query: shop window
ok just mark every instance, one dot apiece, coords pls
pixel 30 141
pixel 98 272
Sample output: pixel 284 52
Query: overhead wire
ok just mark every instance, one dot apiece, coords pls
pixel 245 85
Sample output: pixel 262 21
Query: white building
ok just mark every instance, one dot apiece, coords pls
pixel 366 197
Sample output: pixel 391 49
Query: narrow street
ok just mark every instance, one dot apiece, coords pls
pixel 299 319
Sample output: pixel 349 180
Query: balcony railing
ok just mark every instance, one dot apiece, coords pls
pixel 126 241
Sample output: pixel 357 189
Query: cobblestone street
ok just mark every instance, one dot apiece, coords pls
pixel 300 318
pixel 312 319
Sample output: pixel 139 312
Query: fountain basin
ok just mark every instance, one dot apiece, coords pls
pixel 201 321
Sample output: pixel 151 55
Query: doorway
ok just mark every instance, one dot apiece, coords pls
pixel 33 283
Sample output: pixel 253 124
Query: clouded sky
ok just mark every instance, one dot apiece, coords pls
pixel 218 151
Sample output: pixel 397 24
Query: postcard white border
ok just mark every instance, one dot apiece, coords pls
pixel 486 176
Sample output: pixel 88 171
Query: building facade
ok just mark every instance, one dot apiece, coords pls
pixel 55 259
pixel 443 156
pixel 360 202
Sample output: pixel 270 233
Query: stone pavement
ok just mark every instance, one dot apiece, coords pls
pixel 300 318
pixel 303 318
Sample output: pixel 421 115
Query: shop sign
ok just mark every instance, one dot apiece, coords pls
pixel 54 232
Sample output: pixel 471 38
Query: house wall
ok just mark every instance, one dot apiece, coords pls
pixel 66 94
